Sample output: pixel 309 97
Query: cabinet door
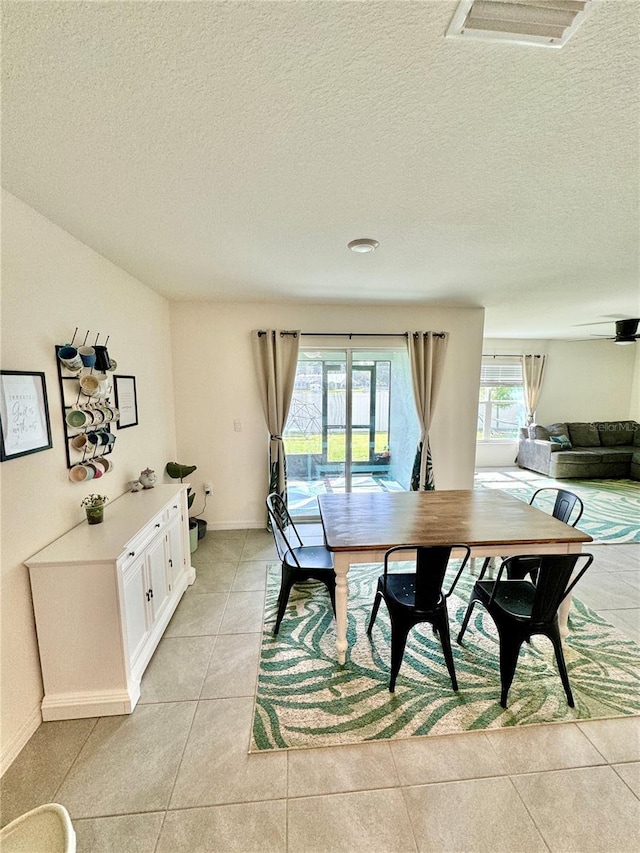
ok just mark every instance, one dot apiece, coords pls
pixel 159 588
pixel 173 540
pixel 135 607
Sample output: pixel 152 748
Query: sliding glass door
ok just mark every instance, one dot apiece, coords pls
pixel 352 425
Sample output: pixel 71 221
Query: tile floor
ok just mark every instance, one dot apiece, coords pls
pixel 175 775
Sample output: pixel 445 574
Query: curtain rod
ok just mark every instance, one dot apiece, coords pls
pixel 354 334
pixel 509 355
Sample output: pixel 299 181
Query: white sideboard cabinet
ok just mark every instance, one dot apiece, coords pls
pixel 103 595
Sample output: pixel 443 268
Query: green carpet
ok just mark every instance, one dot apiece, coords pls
pixel 305 699
pixel 611 507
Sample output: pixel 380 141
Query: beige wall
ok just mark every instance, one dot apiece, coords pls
pixel 50 284
pixel 215 384
pixel 634 401
pixel 584 381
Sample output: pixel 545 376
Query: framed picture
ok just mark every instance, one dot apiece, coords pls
pixel 24 414
pixel 126 400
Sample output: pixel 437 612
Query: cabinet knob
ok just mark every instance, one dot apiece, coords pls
pixel 175 506
pixel 131 554
pixel 170 562
pixel 158 524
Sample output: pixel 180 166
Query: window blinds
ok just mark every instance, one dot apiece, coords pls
pixel 501 370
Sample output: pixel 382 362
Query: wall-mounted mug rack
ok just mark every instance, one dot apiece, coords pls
pixel 84 376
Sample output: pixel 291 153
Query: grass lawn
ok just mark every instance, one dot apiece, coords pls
pixel 312 444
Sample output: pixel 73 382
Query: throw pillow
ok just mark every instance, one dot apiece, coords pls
pixel 584 435
pixel 562 440
pixel 538 432
pixel 614 433
pixel 558 429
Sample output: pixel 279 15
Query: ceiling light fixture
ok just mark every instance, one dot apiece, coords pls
pixel 363 245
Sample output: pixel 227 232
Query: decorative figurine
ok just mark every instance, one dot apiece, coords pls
pixel 135 486
pixel 148 478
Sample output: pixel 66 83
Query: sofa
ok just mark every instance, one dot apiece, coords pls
pixel 605 449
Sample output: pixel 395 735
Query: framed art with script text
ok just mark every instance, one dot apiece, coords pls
pixel 126 400
pixel 24 414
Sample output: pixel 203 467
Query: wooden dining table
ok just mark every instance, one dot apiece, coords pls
pixel 360 527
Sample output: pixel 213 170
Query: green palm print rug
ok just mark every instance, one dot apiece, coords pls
pixel 305 699
pixel 611 507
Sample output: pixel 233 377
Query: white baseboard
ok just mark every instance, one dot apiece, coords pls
pixel 73 706
pixel 11 750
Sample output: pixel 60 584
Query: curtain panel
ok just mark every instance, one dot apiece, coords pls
pixel 427 351
pixel 276 357
pixel 532 375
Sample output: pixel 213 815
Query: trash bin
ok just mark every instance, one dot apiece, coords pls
pixel 193 535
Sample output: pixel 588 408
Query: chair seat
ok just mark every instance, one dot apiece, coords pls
pixel 300 562
pixel 513 596
pixel 520 608
pixel 401 588
pixel 415 597
pixel 310 557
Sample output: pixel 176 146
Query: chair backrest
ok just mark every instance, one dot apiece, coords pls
pixel 431 566
pixel 564 504
pixel 284 530
pixel 555 580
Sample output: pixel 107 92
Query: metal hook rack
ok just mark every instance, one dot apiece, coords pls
pixel 67 393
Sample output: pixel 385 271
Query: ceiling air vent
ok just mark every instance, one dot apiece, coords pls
pixel 543 23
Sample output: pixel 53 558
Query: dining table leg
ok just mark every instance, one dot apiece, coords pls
pixel 563 617
pixel 341 568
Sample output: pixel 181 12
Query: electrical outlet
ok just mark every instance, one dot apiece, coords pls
pixel 208 488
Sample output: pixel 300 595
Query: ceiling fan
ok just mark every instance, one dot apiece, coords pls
pixel 626 332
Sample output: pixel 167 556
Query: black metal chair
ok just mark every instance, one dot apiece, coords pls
pixel 299 562
pixel 417 597
pixel 562 509
pixel 520 609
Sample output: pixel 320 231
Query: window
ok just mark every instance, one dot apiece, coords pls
pixel 501 410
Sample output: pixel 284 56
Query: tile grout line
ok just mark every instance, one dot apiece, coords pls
pixel 528 811
pixel 77 756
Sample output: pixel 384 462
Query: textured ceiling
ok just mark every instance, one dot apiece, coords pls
pixel 230 150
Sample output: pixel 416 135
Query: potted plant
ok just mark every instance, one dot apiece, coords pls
pixel 94 507
pixel 178 472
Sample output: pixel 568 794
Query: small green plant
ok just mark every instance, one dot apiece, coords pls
pixel 94 500
pixel 178 472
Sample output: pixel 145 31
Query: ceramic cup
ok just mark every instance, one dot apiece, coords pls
pixel 113 365
pixel 102 358
pixel 97 470
pixel 78 418
pixel 112 412
pixel 98 416
pixel 105 462
pixel 99 465
pixel 111 440
pixel 88 356
pixel 99 438
pixel 68 356
pixel 79 442
pixel 92 439
pixel 80 473
pixel 89 385
pixel 104 389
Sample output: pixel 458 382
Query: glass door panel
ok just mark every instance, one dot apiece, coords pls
pixel 346 431
pixel 331 466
